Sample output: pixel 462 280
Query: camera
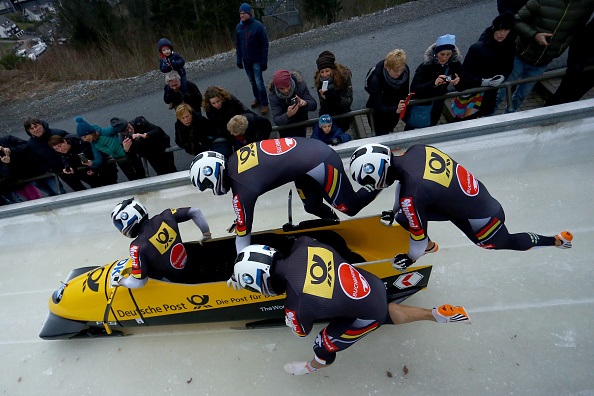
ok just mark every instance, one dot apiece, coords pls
pixel 293 101
pixel 82 157
pixel 447 78
pixel 2 153
pixel 325 86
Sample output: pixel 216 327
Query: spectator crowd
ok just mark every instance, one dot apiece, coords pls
pixel 521 41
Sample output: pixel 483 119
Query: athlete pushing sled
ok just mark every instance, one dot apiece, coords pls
pixel 434 187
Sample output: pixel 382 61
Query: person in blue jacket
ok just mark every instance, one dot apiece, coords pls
pixel 172 61
pixel 251 45
pixel 329 133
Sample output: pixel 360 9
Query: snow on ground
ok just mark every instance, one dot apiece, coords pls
pixel 531 311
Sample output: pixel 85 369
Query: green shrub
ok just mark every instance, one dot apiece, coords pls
pixel 11 61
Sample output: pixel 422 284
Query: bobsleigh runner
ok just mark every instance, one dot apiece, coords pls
pixel 86 305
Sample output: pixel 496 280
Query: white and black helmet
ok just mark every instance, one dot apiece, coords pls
pixel 206 171
pixel 369 165
pixel 252 269
pixel 127 216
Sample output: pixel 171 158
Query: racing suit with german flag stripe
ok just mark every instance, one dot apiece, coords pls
pixel 158 252
pixel 320 284
pixel 314 167
pixel 434 187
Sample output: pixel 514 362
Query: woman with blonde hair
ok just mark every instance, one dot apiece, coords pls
pixel 335 88
pixel 195 133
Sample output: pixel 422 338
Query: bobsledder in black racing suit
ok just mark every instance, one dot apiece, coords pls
pixel 158 251
pixel 434 187
pixel 320 284
pixel 314 167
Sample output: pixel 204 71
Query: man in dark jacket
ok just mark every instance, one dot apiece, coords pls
pixel 174 95
pixel 290 101
pixel 545 28
pixel 140 137
pixel 576 82
pixel 388 86
pixel 251 46
pixel 40 150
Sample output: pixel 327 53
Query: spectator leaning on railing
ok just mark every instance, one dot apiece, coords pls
pixel 105 140
pixel 40 133
pixel 84 162
pixel 141 138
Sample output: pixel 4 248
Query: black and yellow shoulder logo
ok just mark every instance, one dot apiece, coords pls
pixel 438 167
pixel 247 157
pixel 163 239
pixel 319 280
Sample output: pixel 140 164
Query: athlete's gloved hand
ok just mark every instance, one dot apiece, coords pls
pixel 263 66
pixel 231 229
pixel 335 141
pixel 387 218
pixel 240 65
pixel 116 279
pixel 401 262
pixel 205 237
pixel 232 282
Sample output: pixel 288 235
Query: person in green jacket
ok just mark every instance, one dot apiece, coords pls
pixel 544 28
pixel 106 141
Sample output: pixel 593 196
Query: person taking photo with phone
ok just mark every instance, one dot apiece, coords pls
pixel 83 162
pixel 290 101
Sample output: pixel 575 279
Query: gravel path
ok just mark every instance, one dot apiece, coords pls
pixel 82 96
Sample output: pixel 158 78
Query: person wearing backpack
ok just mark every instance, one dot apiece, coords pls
pixel 388 86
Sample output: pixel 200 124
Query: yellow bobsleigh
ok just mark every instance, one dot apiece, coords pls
pixel 80 306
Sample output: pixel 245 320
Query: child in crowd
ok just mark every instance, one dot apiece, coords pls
pixel 172 61
pixel 329 133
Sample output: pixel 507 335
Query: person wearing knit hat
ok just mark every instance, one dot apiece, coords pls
pixel 251 48
pixel 326 60
pixel 488 63
pixel 290 101
pixel 329 133
pixel 445 42
pixel 282 79
pixel 84 130
pixel 440 69
pixel 106 141
pixel 335 88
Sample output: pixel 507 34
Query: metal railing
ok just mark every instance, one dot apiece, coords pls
pixel 352 114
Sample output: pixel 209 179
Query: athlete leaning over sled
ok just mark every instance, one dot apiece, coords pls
pixel 257 168
pixel 157 250
pixel 320 284
pixel 434 187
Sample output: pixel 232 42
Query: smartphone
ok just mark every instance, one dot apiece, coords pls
pixel 293 101
pixel 82 157
pixel 324 86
